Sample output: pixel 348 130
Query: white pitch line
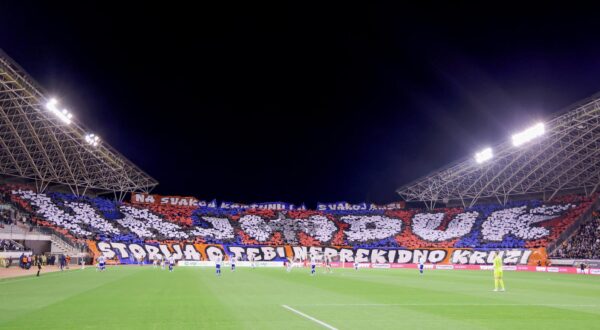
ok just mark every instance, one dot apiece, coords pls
pixel 309 317
pixel 452 305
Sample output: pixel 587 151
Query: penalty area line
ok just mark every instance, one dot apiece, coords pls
pixel 309 317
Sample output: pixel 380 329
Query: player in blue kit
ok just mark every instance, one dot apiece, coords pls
pixel 218 266
pixel 101 263
pixel 421 265
pixel 171 263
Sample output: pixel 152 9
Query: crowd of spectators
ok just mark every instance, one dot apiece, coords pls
pixel 584 244
pixel 426 225
pixel 146 224
pixel 7 214
pixel 6 218
pixel 519 220
pixel 10 245
pixel 520 224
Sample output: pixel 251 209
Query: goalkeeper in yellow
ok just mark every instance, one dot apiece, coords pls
pixel 498 272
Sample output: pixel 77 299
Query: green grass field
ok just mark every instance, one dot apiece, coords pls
pixel 130 297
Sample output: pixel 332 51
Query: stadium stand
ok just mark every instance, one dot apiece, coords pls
pixel 10 245
pixel 523 224
pixel 584 244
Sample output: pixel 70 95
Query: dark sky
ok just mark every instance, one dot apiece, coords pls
pixel 303 103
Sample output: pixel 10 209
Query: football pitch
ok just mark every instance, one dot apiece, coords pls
pixel 132 297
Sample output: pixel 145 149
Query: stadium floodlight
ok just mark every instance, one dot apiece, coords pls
pixel 484 155
pixel 529 134
pixel 64 115
pixel 92 139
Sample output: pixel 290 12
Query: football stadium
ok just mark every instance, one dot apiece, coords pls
pixel 506 238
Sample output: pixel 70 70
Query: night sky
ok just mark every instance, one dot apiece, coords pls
pixel 303 103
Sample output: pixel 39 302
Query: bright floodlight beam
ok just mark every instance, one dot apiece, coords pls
pixel 484 155
pixel 64 115
pixel 529 134
pixel 92 139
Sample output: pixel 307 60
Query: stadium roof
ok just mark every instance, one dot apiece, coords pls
pixel 565 158
pixel 42 143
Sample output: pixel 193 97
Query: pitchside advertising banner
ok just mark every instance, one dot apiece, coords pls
pixel 148 199
pixel 132 252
